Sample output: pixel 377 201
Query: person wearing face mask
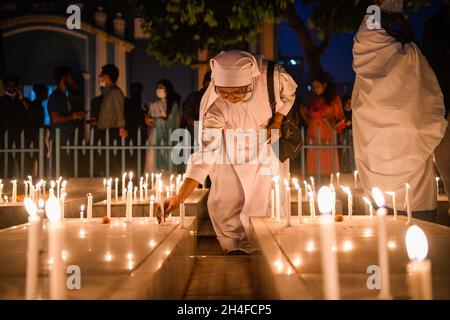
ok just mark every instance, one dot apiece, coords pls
pixel 162 118
pixel 236 103
pixel 325 114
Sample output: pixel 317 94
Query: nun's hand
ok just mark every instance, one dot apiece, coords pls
pixel 273 126
pixel 170 204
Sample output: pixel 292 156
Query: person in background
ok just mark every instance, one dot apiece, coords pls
pixel 35 121
pixel 62 115
pixel 13 106
pixel 135 111
pixel 325 114
pixel 191 106
pixel 436 44
pixel 75 91
pixel 162 118
pixel 111 114
pixel 398 111
pixel 347 155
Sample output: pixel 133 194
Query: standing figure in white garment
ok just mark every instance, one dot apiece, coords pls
pixel 235 107
pixel 398 110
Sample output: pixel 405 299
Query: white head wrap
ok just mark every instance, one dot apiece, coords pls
pixel 233 69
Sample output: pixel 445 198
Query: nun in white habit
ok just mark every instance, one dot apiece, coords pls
pixel 236 105
pixel 397 111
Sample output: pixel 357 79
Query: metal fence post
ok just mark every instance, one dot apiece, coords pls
pixel 58 152
pixel 318 155
pixel 107 151
pixel 123 154
pixel 91 154
pixel 5 173
pixel 139 152
pixel 22 153
pixel 303 151
pixel 75 154
pixel 41 152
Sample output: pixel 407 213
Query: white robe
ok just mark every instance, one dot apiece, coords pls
pixel 239 191
pixel 397 117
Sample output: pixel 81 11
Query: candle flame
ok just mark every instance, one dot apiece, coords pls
pixel 416 243
pixel 52 184
pixel 82 208
pixel 152 198
pixel 325 200
pixel 53 209
pixel 367 201
pixel 30 206
pixel 276 179
pixel 378 197
pixel 41 203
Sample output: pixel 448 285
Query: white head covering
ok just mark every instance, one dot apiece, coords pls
pixel 392 6
pixel 233 69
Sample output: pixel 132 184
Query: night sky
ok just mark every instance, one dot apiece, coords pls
pixel 337 60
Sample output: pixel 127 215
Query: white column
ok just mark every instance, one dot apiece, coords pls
pixel 100 59
pixel 121 64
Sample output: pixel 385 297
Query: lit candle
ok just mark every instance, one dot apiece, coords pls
pixel 25 189
pixel 312 205
pixel 277 197
pixel 82 212
pixel 152 201
pixel 58 185
pixel 135 194
pixel 51 192
pixel 313 186
pixel 63 185
pixel 171 180
pixel 288 203
pixel 124 188
pixel 337 178
pixel 167 192
pixel 153 181
pixel 437 188
pixel 367 201
pixel 89 207
pixel 328 242
pixel 116 189
pixel 333 192
pixel 182 213
pixel 299 200
pixel 331 178
pixel 43 187
pixel 408 202
pixel 14 191
pixel 146 178
pixel 394 204
pixel 419 268
pixel 306 188
pixel 55 242
pixel 129 204
pixel 62 198
pixel 349 201
pixel 178 183
pixel 141 189
pixel 355 176
pixel 145 191
pixel 161 202
pixel 34 241
pixel 272 203
pixel 1 188
pixel 108 198
pixel 383 258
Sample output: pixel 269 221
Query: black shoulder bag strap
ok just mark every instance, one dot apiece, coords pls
pixel 271 85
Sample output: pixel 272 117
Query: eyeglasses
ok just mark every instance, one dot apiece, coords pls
pixel 236 93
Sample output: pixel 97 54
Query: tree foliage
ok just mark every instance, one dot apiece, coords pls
pixel 178 29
